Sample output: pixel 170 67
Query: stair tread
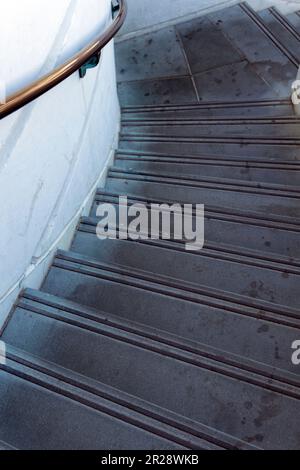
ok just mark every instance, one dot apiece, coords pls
pixel 43 303
pixel 121 349
pixel 211 110
pixel 222 250
pixel 244 148
pixel 242 173
pixel 281 130
pixel 249 160
pixel 241 233
pixel 224 104
pixel 148 289
pixel 51 391
pixel 282 30
pixel 249 199
pixel 234 21
pixel 264 280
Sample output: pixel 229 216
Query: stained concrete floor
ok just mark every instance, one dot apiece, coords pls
pixel 208 58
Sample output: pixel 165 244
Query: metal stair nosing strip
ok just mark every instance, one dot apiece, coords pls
pixel 287 141
pixel 202 121
pixel 214 160
pixel 250 187
pixel 208 104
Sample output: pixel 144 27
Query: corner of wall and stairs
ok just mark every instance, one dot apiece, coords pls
pixel 50 171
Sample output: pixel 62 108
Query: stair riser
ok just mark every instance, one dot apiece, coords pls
pixel 242 173
pixel 196 396
pixel 198 322
pixel 265 204
pixel 269 240
pixel 220 149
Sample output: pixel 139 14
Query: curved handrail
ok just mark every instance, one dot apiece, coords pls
pixel 39 87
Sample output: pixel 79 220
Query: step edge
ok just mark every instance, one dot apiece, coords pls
pixel 224 211
pixel 209 180
pixel 211 250
pixel 171 285
pixel 85 391
pixel 33 303
pixel 135 154
pixel 268 33
pixel 285 22
pixel 208 104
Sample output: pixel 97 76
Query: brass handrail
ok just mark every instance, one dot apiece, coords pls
pixel 39 87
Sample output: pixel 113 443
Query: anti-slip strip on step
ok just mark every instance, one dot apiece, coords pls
pixel 213 159
pixel 202 121
pixel 258 189
pixel 183 290
pixel 287 141
pixel 198 355
pixel 222 213
pixel 164 159
pixel 208 181
pixel 87 392
pixel 284 22
pixel 209 438
pixel 207 105
pixel 229 253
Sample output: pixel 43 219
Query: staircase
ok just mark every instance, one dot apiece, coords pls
pixel 143 345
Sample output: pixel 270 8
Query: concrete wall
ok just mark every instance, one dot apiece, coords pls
pixel 53 152
pixel 145 15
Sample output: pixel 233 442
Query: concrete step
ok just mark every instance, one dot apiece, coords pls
pixel 266 201
pixel 264 171
pixel 241 325
pixel 260 160
pixel 271 108
pixel 231 230
pixel 272 59
pixel 285 20
pixel 215 182
pixel 254 372
pixel 283 130
pixel 284 32
pixel 45 407
pixel 247 148
pixel 199 397
pixel 258 278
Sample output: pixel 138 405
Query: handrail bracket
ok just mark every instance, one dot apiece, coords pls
pixel 90 64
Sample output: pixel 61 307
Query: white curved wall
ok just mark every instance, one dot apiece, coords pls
pixel 53 151
pixel 144 15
